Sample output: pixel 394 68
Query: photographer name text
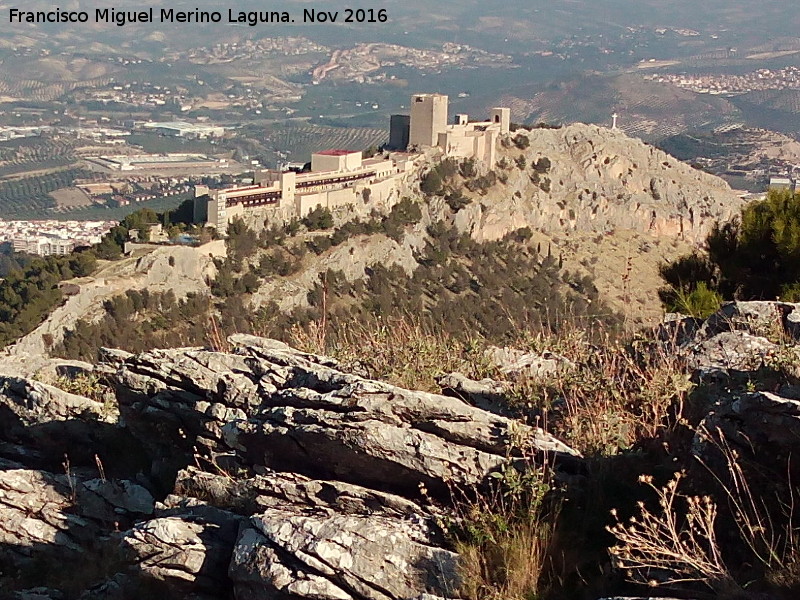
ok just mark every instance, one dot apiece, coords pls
pixel 171 15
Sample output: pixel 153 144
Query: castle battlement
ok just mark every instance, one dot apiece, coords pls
pixel 337 177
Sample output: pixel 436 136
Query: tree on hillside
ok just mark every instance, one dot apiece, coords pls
pixel 756 256
pixel 431 183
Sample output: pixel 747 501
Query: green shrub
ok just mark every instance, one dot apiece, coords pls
pixel 700 302
pixel 756 256
pixel 467 168
pixel 320 244
pixel 521 141
pixel 457 200
pixel 542 165
pixel 319 218
pixel 431 183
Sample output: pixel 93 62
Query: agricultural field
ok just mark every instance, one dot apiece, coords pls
pixel 98 212
pixel 42 91
pixel 297 143
pixel 29 197
pixel 19 169
pixel 778 110
pixel 70 198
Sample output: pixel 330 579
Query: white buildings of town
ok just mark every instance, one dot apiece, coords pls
pixel 52 237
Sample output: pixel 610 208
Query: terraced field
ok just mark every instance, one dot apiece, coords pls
pixel 778 110
pixel 18 168
pixel 296 143
pixel 29 197
pixel 40 91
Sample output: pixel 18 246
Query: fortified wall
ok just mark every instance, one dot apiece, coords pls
pixel 339 178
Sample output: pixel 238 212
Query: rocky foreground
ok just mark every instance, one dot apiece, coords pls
pixel 265 472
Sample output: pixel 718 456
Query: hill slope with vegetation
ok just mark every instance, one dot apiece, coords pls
pixel 571 225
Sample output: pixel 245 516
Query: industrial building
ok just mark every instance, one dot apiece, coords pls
pixel 186 130
pixel 158 162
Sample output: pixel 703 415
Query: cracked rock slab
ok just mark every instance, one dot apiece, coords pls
pixel 188 552
pixel 338 557
pixel 286 410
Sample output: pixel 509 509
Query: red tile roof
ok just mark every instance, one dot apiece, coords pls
pixel 336 152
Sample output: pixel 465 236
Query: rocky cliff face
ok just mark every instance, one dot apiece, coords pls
pixel 268 472
pixel 608 206
pixel 590 179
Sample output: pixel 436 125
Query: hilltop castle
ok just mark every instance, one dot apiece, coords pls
pixel 341 177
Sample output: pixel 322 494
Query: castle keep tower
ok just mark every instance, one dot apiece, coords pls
pixel 428 119
pixel 502 117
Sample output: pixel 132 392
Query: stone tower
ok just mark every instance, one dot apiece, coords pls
pixel 428 119
pixel 502 117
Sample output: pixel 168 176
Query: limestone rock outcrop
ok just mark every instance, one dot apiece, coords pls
pixel 515 362
pixel 593 179
pixel 270 405
pixel 265 471
pixel 180 269
pixel 740 337
pixel 259 472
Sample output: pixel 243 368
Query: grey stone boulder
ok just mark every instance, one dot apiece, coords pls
pixel 759 433
pixel 274 490
pixel 677 329
pixel 318 555
pixel 272 406
pixel 187 553
pixel 37 507
pixel 35 512
pixel 36 402
pixel 311 538
pixel 109 500
pixel 761 420
pixel 758 318
pixel 730 351
pixel 486 394
pixel 40 366
pixel 517 363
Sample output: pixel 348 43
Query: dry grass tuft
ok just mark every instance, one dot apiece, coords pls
pixel 678 544
pixel 619 393
pixel 404 352
pixel 505 536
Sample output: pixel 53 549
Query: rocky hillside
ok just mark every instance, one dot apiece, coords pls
pixel 589 179
pixel 268 472
pixel 606 208
pixel 329 506
pixel 610 207
pixel 178 269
